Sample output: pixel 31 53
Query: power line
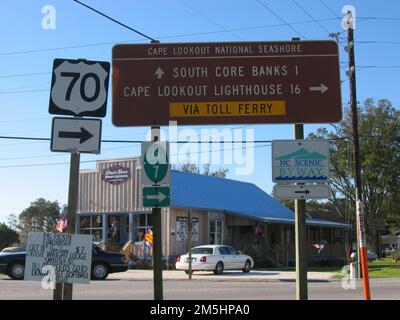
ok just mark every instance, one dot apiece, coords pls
pixel 208 19
pixel 277 16
pixel 326 6
pixel 112 19
pixel 23 75
pixel 307 13
pixel 23 91
pixel 164 37
pixel 376 42
pixel 380 18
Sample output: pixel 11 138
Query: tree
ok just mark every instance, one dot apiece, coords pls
pixel 379 131
pixel 41 215
pixel 8 236
pixel 193 168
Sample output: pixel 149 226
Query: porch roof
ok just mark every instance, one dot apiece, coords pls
pixel 191 190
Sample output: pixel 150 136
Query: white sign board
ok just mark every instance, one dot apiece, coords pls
pixel 300 161
pixel 71 134
pixel 79 87
pixel 64 257
pixel 301 191
pixel 182 228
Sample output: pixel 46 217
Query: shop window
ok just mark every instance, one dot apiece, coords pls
pixel 216 233
pixel 141 223
pixel 114 228
pixel 92 225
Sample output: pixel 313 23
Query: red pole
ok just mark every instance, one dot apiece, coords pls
pixel 363 250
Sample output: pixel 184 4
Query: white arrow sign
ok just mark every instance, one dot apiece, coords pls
pixel 159 73
pixel 322 88
pixel 76 134
pixel 160 196
pixel 301 191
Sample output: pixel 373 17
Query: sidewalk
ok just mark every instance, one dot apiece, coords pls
pixel 147 275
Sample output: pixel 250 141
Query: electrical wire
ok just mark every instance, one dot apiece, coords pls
pixel 164 37
pixel 208 19
pixel 281 19
pixel 114 20
pixel 308 14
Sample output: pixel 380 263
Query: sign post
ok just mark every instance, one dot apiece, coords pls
pixel 157 236
pixel 78 88
pixel 72 208
pixel 301 236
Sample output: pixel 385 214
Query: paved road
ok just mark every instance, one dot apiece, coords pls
pixel 138 285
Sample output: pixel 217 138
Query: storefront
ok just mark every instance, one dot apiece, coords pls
pixel 224 211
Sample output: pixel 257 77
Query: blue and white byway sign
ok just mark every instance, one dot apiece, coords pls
pixel 300 161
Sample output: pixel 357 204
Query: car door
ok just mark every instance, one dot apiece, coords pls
pixel 229 259
pixel 236 258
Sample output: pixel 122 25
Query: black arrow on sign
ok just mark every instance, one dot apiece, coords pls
pixel 84 135
pixel 305 191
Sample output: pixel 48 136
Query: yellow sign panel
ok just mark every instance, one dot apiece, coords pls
pixel 227 109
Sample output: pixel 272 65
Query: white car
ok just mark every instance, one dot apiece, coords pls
pixel 215 258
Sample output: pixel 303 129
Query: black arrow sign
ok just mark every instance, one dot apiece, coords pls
pixel 84 135
pixel 305 191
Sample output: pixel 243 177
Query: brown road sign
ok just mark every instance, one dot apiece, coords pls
pixel 226 83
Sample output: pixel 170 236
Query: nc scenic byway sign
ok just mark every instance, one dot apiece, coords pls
pixel 226 83
pixel 300 161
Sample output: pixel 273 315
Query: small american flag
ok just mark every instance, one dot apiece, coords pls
pixel 61 224
pixel 319 246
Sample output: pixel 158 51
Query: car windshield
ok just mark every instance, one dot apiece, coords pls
pixel 202 250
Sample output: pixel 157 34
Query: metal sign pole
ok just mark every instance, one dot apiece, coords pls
pixel 157 240
pixel 301 236
pixel 189 234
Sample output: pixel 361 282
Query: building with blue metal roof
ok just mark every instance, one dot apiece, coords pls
pixel 223 211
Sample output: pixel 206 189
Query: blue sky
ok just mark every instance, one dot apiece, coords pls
pixel 27 48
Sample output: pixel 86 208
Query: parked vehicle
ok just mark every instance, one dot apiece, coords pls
pixel 371 256
pixel 215 258
pixel 103 263
pixel 13 249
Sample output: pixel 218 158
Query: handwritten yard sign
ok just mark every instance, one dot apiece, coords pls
pixel 66 257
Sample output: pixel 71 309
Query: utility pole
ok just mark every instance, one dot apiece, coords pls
pixel 361 243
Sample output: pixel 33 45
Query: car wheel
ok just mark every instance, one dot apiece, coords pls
pixel 99 271
pixel 219 268
pixel 247 266
pixel 17 271
pixel 187 272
